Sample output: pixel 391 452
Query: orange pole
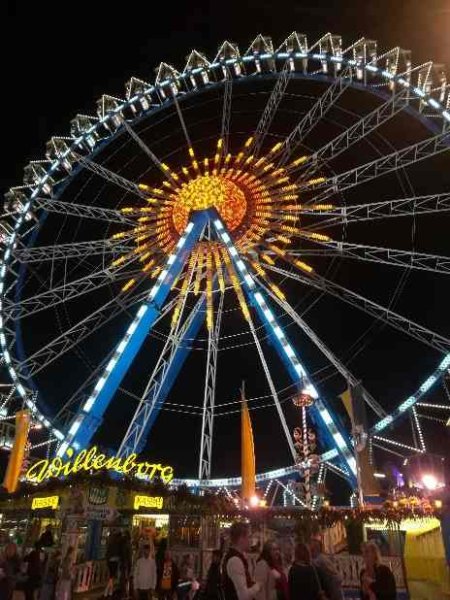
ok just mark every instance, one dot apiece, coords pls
pixel 247 453
pixel 17 455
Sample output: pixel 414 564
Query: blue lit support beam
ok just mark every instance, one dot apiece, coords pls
pixel 162 381
pixel 320 413
pixel 90 415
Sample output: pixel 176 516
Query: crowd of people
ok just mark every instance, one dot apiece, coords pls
pixel 40 574
pixel 311 576
pixel 142 573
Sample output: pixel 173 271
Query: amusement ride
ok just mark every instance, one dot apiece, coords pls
pixel 212 211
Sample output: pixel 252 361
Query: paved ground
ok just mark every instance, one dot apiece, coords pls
pixel 422 590
pixel 419 590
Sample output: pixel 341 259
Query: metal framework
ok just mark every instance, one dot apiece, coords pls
pixel 315 113
pixel 422 88
pixel 356 132
pixel 271 108
pixel 431 338
pixel 75 250
pixel 226 112
pixel 163 376
pixel 79 210
pixel 381 166
pixel 388 256
pixel 401 207
pixel 206 438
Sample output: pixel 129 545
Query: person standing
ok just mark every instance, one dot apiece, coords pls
pixel 113 553
pixel 145 575
pixel 33 579
pixel 46 540
pixel 332 581
pixel 213 586
pixel 167 580
pixel 126 553
pixel 304 579
pixel 238 584
pixel 377 580
pixel 9 571
pixel 64 585
pixel 270 575
pixel 187 581
pixel 51 573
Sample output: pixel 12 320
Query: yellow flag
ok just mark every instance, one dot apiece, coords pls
pixel 346 398
pixel 16 457
pixel 247 453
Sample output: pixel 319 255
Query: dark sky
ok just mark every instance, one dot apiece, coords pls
pixel 57 59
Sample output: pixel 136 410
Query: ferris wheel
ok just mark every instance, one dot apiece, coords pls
pixel 284 204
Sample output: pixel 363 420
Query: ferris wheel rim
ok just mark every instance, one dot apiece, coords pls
pixel 45 179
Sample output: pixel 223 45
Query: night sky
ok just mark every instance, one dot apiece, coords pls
pixel 57 61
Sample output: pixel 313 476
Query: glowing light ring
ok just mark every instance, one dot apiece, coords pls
pixel 114 117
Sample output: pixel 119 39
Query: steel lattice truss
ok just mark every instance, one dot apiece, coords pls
pixel 200 252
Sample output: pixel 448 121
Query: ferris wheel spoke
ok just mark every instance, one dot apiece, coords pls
pixel 66 341
pixel 226 112
pixel 340 367
pixel 169 363
pixel 388 256
pixel 383 313
pixel 182 122
pixel 68 291
pixel 110 176
pixel 270 109
pixel 378 167
pixel 80 332
pixel 84 211
pixel 401 207
pixel 161 166
pixel 209 397
pixel 78 250
pixel 313 116
pixel 273 390
pixel 355 133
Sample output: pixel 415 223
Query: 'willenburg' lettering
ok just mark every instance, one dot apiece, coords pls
pixel 89 460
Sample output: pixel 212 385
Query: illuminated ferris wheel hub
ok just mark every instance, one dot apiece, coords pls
pixel 178 229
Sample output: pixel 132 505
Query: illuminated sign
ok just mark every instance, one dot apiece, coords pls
pixel 148 502
pixel 92 460
pixel 47 502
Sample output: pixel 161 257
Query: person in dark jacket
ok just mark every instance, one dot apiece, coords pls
pixel 113 555
pixel 304 581
pixel 237 581
pixel 9 571
pixel 377 580
pixel 213 586
pixel 34 572
pixel 46 540
pixel 167 577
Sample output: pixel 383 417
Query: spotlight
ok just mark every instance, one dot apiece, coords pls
pixel 254 501
pixel 430 481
